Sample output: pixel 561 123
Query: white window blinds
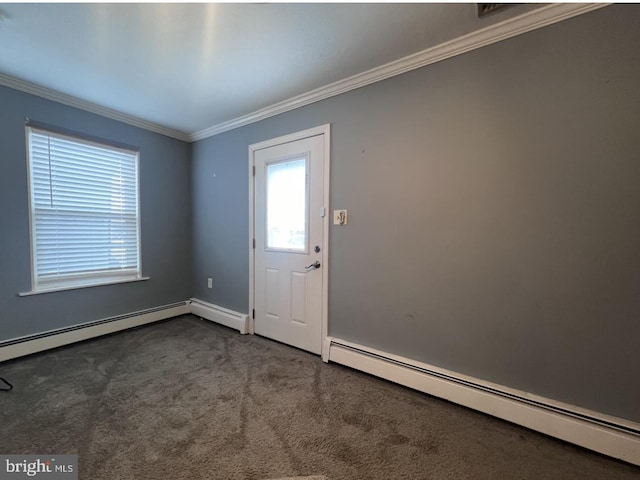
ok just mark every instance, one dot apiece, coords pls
pixel 84 211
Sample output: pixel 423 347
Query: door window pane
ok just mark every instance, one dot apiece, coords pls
pixel 287 205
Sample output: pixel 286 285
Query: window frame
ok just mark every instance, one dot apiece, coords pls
pixel 303 156
pixel 78 280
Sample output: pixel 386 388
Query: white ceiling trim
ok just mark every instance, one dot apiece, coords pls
pixel 541 17
pixel 49 94
pixel 533 20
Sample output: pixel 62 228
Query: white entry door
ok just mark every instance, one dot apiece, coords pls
pixel 289 242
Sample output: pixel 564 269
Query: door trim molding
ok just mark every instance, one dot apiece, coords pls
pixel 324 130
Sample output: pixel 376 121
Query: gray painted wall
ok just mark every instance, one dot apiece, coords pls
pixel 494 224
pixel 165 183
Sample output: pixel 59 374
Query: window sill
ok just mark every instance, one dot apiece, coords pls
pixel 78 286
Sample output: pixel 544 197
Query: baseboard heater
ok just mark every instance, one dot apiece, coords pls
pixel 223 316
pixel 611 436
pixel 29 344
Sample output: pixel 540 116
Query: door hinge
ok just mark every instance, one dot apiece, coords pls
pixel 322 212
pixel 254 243
pixel 254 170
pixel 253 313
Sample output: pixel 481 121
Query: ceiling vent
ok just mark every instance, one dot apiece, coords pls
pixel 486 8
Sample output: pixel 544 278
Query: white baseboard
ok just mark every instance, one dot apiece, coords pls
pixel 19 347
pixel 608 435
pixel 221 315
pixel 57 338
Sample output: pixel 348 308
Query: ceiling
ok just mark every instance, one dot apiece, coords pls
pixel 190 67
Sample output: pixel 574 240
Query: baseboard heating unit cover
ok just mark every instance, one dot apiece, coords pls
pixel 602 433
pixel 39 342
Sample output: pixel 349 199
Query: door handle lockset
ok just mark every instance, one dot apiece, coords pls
pixel 313 266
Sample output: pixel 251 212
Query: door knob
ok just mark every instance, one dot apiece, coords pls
pixel 313 266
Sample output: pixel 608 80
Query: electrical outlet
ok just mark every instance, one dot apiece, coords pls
pixel 209 282
pixel 339 217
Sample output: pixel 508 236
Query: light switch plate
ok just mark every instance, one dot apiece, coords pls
pixel 339 217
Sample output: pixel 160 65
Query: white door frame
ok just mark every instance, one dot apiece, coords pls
pixel 312 132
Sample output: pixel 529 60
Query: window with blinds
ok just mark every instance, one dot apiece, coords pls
pixel 85 224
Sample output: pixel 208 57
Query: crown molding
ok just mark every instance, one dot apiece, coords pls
pixel 49 94
pixel 538 18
